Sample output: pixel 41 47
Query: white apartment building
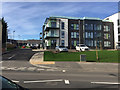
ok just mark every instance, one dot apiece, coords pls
pixel 115 18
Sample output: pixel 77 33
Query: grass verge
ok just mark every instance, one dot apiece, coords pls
pixel 104 56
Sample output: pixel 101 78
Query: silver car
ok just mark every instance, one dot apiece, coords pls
pixel 61 49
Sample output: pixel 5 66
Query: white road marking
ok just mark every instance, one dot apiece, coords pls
pixel 11 56
pixel 67 82
pixel 40 69
pixel 63 71
pixel 45 67
pixel 57 80
pixel 1 61
pixel 22 68
pixel 105 83
pixel 11 68
pixel 31 68
pixel 15 81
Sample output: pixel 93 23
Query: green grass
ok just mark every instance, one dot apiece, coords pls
pixel 104 56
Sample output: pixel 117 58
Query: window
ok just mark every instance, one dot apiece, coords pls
pixel 106 36
pixel 72 26
pixel 118 38
pixel 77 26
pixel 77 34
pixel 97 27
pixel 72 35
pixel 62 42
pixel 97 34
pixel 62 25
pixel 118 21
pixel 106 28
pixel 62 34
pixel 74 43
pixel 107 44
pixel 53 24
pixel 77 42
pixel 88 26
pixel 118 30
pixel 88 34
pixel 94 42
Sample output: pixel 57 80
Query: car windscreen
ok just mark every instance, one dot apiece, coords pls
pixel 61 47
pixel 8 84
pixel 82 45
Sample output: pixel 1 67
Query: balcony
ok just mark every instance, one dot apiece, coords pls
pixel 51 36
pixel 51 25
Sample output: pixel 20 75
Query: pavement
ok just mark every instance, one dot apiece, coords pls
pixel 38 58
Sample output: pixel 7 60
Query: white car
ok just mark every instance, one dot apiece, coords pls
pixel 61 49
pixel 81 47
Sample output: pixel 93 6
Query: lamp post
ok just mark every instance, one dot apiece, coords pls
pixel 13 34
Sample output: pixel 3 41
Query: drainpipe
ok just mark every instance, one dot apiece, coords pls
pixel 59 32
pixel 79 30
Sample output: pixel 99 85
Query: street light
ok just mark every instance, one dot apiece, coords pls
pixel 13 34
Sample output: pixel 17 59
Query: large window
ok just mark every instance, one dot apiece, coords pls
pixel 106 28
pixel 97 34
pixel 89 42
pixel 107 44
pixel 74 26
pixel 74 35
pixel 106 36
pixel 53 24
pixel 97 27
pixel 62 42
pixel 74 42
pixel 62 25
pixel 88 34
pixel 62 34
pixel 88 26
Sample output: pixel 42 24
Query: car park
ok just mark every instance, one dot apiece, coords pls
pixel 81 47
pixel 61 49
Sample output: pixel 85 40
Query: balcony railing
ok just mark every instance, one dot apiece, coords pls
pixel 51 26
pixel 51 36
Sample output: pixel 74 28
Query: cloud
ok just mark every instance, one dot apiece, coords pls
pixel 27 18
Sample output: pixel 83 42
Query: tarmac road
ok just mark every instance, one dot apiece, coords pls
pixel 67 75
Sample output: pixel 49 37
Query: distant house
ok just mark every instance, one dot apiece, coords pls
pixel 34 42
pixel 29 43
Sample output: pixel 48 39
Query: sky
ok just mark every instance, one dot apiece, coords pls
pixel 27 18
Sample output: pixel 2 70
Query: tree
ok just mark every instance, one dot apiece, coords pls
pixel 4 33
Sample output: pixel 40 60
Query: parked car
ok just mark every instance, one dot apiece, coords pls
pixel 7 84
pixel 81 47
pixel 33 47
pixel 61 49
pixel 23 46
